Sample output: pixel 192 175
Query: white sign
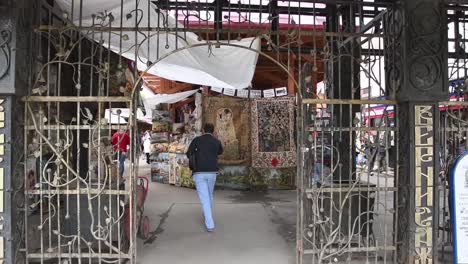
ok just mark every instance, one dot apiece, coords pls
pixel 459 186
pixel 281 91
pixel 230 92
pixel 243 93
pixel 255 93
pixel 217 89
pixel 269 93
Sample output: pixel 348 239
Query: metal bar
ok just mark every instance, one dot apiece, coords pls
pixel 348 2
pixel 322 190
pixel 258 31
pixel 81 191
pixel 77 99
pixel 348 129
pixel 456 5
pixel 453 103
pixel 72 127
pixel 453 129
pixel 354 250
pixel 77 255
pixel 290 10
pixel 365 28
pixel 348 101
pixel 218 16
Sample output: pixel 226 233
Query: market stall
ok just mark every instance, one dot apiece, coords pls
pixel 257 134
pixel 258 140
pixel 173 129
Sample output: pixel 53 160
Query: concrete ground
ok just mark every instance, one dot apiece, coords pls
pixel 250 227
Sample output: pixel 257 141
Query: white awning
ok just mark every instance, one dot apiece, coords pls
pixel 113 118
pixel 125 113
pixel 151 100
pixel 226 66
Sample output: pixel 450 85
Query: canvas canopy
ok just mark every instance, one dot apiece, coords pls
pixel 114 118
pixel 150 101
pixel 227 66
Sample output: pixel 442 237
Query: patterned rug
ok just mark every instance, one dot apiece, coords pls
pixel 230 116
pixel 273 143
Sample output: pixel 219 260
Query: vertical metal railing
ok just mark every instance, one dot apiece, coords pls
pixel 453 121
pixel 78 208
pixel 76 213
pixel 349 142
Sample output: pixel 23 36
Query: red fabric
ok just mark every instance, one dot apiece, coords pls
pixel 120 141
pixel 275 162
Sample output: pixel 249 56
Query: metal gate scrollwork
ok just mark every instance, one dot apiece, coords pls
pixel 356 69
pixel 77 206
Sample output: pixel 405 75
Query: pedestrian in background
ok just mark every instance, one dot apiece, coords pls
pixel 120 141
pixel 147 148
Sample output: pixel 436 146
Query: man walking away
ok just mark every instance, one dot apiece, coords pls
pixel 203 156
pixel 120 141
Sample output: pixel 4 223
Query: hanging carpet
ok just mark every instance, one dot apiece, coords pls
pixel 230 117
pixel 273 143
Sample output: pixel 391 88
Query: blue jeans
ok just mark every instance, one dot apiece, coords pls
pixel 121 157
pixel 205 183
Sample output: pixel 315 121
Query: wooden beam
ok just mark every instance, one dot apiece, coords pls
pixel 184 102
pixel 292 72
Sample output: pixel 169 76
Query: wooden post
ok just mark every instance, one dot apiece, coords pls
pixel 292 72
pixel 206 91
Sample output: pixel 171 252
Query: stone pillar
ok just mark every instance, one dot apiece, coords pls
pixel 417 78
pixel 15 72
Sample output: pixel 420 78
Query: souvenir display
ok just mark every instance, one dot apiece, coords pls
pixel 160 137
pixel 170 163
pixel 257 136
pixel 160 168
pixel 186 179
pixel 161 121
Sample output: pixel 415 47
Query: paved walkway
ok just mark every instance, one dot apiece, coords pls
pixel 251 228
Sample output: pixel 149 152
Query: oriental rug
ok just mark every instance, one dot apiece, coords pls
pixel 273 141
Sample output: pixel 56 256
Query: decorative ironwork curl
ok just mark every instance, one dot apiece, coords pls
pixel 5 52
pixel 425 63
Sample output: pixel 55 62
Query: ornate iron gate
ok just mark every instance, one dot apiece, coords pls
pixel 78 210
pixel 453 121
pixel 349 143
pixel 370 154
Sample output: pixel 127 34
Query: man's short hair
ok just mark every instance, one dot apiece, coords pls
pixel 208 128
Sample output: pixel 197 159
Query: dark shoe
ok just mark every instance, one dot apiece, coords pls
pixel 210 230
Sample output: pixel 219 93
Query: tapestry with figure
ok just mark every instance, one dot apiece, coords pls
pixel 273 133
pixel 230 117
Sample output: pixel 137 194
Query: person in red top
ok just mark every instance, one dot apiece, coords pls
pixel 120 141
